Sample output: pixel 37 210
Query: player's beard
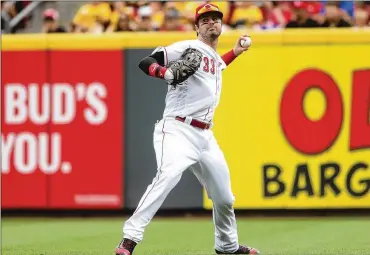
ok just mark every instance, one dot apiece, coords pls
pixel 212 35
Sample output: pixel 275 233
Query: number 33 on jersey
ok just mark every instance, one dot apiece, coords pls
pixel 199 95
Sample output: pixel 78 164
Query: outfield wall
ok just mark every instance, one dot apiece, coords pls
pixel 78 115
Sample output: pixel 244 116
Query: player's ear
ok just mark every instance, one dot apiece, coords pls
pixel 196 28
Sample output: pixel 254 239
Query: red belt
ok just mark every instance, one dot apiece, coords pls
pixel 195 123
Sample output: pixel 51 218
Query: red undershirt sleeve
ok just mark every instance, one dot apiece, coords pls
pixel 228 57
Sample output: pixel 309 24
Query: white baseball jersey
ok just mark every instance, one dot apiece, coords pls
pixel 179 146
pixel 199 95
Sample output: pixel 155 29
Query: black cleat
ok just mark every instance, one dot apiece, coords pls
pixel 242 250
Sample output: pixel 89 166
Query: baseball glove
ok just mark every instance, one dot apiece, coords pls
pixel 186 66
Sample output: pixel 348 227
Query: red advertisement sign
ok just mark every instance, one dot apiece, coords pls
pixel 23 184
pixel 64 128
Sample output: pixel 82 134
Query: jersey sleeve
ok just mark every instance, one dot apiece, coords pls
pixel 222 64
pixel 172 52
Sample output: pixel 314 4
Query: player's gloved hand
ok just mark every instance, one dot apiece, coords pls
pixel 181 71
pixel 186 66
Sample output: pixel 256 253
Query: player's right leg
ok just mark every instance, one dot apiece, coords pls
pixel 176 151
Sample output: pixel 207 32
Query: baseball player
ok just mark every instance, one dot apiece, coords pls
pixel 183 138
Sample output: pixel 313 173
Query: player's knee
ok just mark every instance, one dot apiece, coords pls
pixel 224 201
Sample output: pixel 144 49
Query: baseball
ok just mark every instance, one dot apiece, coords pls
pixel 246 42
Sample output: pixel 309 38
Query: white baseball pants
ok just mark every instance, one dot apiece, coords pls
pixel 179 146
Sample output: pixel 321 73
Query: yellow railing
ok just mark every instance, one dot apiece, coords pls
pixel 126 40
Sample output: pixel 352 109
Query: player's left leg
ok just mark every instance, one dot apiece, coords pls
pixel 213 173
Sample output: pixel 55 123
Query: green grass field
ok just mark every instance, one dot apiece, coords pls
pixel 82 236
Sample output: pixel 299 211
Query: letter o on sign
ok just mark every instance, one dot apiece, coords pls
pixel 305 135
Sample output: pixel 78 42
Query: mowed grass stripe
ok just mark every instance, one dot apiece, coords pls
pixel 80 236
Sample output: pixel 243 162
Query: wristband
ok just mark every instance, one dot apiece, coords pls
pixel 229 57
pixel 156 70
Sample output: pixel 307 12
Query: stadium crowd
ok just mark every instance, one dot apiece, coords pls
pixel 108 17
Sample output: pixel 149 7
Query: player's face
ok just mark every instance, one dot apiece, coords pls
pixel 209 26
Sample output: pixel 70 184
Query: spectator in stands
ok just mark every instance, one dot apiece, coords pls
pixel 268 22
pixel 361 18
pixel 120 18
pixel 172 21
pixel 301 17
pixel 361 15
pixel 281 13
pixel 124 24
pixel 312 7
pixel 124 7
pixel 346 7
pixel 180 7
pixel 334 16
pixel 93 17
pixel 158 13
pixel 246 15
pixel 366 6
pixel 51 22
pixel 186 12
pixel 145 15
pixel 144 19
